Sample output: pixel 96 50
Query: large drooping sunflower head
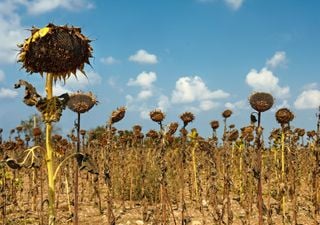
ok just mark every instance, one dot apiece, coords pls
pixel 59 50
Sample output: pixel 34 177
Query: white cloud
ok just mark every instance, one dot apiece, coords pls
pixel 313 85
pixel 206 105
pixel 2 76
pixel 144 113
pixel 163 103
pixel 234 4
pixel 144 80
pixel 191 89
pixel 144 94
pixel 266 81
pixel 309 99
pixel 129 99
pixel 109 60
pixel 11 31
pixel 143 57
pixel 279 58
pixel 7 93
pixel 242 104
pixel 43 6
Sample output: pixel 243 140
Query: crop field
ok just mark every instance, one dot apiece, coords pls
pixel 165 176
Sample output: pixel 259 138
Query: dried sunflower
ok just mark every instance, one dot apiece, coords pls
pixel 118 115
pixel 261 101
pixel 187 117
pixel 81 102
pixel 284 116
pixel 58 50
pixel 214 124
pixel 157 116
pixel 226 113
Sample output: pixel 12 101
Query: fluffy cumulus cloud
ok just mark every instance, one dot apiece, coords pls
pixel 206 105
pixel 109 60
pixel 7 93
pixel 190 92
pixel 265 80
pixel 308 99
pixel 193 89
pixel 144 80
pixel 163 102
pixel 143 57
pixel 190 89
pixel 236 105
pixel 234 4
pixel 278 59
pixel 134 104
pixel 11 31
pixel 144 94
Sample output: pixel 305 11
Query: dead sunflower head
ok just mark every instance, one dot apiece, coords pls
pixel 157 116
pixel 37 132
pixel 152 134
pixel 226 113
pixel 59 50
pixel 118 115
pixel 301 132
pixel 137 129
pixel 173 128
pixel 81 102
pixel 261 101
pixel 214 124
pixel 311 133
pixel 284 116
pixel 233 135
pixel 187 117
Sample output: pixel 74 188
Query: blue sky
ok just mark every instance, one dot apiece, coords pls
pixel 202 56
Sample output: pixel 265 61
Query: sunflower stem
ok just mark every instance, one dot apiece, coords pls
pixel 76 174
pixel 283 175
pixel 49 157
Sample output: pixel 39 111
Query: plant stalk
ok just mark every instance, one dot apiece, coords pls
pixel 49 156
